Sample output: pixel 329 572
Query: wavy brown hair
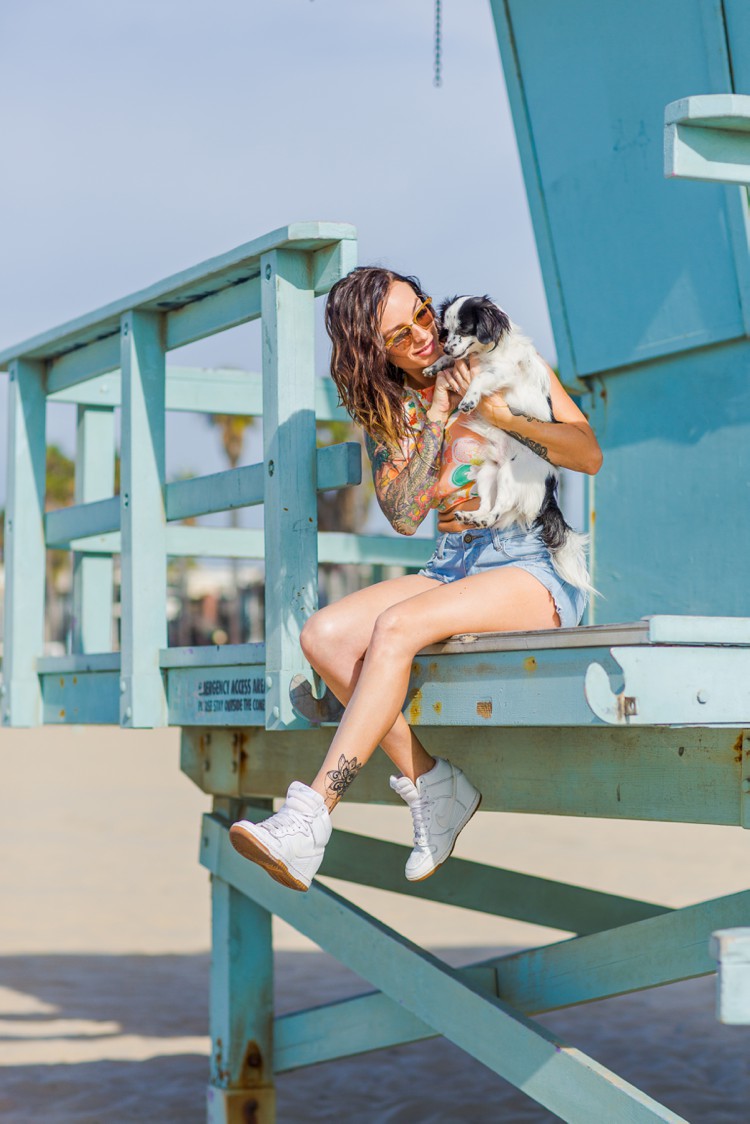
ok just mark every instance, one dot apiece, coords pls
pixel 369 385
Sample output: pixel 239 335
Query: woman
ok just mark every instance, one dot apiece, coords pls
pixel 384 335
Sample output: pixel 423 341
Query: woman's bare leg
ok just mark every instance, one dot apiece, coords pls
pixel 501 600
pixel 335 640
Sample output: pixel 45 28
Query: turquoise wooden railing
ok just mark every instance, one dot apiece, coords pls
pixel 116 357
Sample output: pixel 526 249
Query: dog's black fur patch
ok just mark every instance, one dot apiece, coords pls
pixel 478 317
pixel 550 519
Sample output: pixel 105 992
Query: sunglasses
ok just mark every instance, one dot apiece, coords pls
pixel 403 338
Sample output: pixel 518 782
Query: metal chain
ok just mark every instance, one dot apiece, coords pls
pixel 437 80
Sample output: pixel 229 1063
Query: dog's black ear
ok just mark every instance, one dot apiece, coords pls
pixel 445 306
pixel 492 322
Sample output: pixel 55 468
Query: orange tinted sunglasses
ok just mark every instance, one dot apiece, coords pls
pixel 423 318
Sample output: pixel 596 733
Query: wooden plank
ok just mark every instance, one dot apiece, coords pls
pixel 505 893
pixel 213 655
pixel 730 948
pixel 487 889
pixel 241 996
pixel 213 312
pixel 85 363
pixel 78 662
pixel 552 1073
pixel 659 685
pixel 687 629
pixel 90 698
pixel 143 521
pixel 584 636
pixel 182 288
pixel 81 521
pixel 290 509
pixel 217 696
pixel 25 555
pixel 339 466
pixel 93 576
pixel 689 776
pixel 355 1026
pixel 648 953
pixel 707 137
pixel 206 390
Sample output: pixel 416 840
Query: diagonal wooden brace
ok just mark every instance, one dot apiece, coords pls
pixel 524 1053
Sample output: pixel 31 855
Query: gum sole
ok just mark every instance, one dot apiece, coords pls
pixel 251 848
pixel 462 825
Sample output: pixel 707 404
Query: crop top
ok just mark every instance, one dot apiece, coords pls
pixel 431 468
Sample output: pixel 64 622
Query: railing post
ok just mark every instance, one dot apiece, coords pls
pixel 241 1003
pixel 92 573
pixel 290 502
pixel 143 521
pixel 25 550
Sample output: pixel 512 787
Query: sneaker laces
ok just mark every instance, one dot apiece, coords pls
pixel 285 821
pixel 419 806
pixel 420 814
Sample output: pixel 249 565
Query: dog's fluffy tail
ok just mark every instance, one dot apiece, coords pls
pixel 569 559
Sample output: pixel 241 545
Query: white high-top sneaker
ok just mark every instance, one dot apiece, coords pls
pixel 288 845
pixel 442 802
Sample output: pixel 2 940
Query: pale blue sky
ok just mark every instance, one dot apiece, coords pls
pixel 142 137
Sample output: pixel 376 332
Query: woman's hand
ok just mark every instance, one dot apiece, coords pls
pixel 451 386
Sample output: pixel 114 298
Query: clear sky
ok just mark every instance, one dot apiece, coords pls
pixel 142 137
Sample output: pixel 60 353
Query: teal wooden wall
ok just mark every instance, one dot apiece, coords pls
pixel 648 281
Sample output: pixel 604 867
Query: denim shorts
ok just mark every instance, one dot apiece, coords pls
pixel 460 554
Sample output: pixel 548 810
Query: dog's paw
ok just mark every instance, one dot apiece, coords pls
pixel 468 403
pixel 434 369
pixel 468 518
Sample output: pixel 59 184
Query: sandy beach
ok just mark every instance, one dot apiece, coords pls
pixel 105 936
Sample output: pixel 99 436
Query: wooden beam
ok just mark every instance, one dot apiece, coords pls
pixel 526 1054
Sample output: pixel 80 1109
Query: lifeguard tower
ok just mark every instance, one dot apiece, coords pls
pixel 642 714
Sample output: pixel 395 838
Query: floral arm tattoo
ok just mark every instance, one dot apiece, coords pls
pixel 406 485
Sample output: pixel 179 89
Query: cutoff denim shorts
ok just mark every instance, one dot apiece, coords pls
pixel 474 551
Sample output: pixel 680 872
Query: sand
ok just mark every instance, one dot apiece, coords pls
pixel 105 934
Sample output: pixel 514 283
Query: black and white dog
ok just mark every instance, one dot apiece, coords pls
pixel 515 484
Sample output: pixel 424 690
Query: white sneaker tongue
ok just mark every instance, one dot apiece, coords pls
pixel 405 788
pixel 302 799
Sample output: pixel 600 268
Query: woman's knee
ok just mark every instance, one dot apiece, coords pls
pixel 325 639
pixel 393 630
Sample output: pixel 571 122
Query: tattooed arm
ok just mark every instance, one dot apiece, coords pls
pixel 407 485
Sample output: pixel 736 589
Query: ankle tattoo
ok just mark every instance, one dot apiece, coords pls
pixel 338 780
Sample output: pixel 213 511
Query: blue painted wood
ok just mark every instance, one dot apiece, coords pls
pixel 24 545
pixel 688 775
pixel 338 466
pixel 202 390
pixel 241 1004
pixel 560 1077
pixel 355 1026
pixel 80 521
pixel 143 521
pixel 93 578
pixel 707 137
pixel 237 542
pixel 593 149
pixel 730 948
pixel 188 287
pixel 90 698
pixel 672 433
pixel 290 510
pixel 505 893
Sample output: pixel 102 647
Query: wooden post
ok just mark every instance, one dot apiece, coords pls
pixel 25 550
pixel 92 573
pixel 290 502
pixel 143 521
pixel 241 1005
